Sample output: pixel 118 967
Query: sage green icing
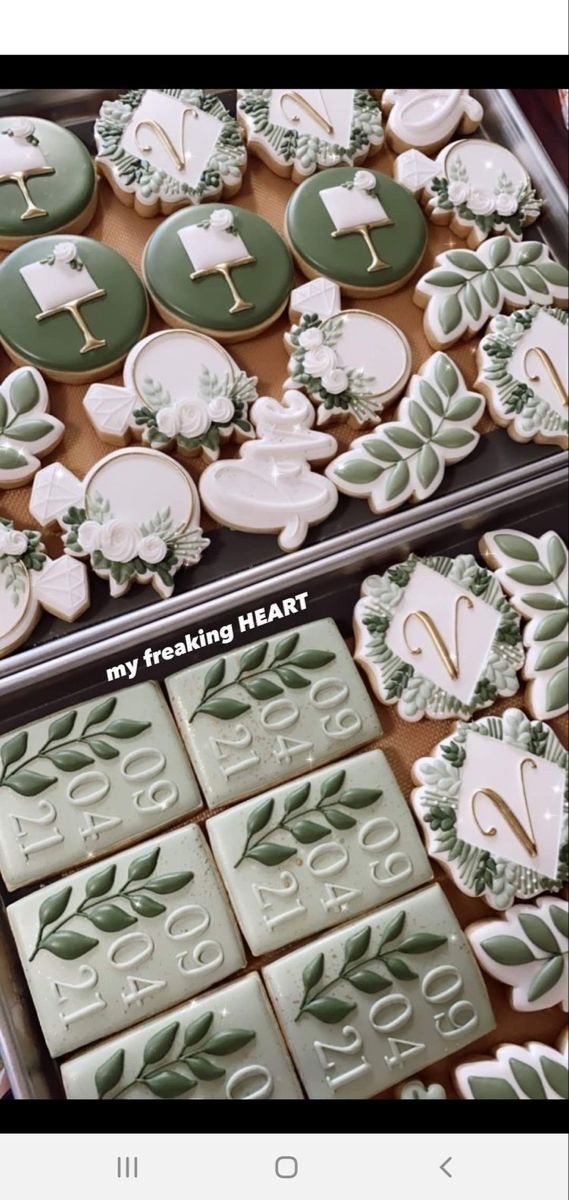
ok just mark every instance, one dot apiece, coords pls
pixel 64 195
pixel 55 343
pixel 205 303
pixel 345 259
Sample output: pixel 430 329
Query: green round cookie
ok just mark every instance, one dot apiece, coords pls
pixel 47 178
pixel 182 270
pixel 70 306
pixel 324 230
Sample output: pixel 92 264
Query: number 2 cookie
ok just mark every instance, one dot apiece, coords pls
pixel 222 271
pixel 165 148
pixel 72 308
pixel 358 228
pixel 426 118
pixel 297 132
pixel 47 181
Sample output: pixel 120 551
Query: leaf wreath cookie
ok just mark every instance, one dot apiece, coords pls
pixel 532 1072
pixel 181 392
pixel 30 582
pixel 135 516
pixel 468 287
pixel 406 459
pixel 533 571
pixel 523 372
pixel 437 637
pixel 164 148
pixel 427 118
pixel 27 429
pixel 299 132
pixel 475 186
pixel 527 950
pixel 492 799
pixel 351 364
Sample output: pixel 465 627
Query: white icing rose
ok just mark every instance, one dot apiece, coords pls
pixel 89 535
pixel 221 218
pixel 506 204
pixel 318 362
pixel 64 252
pixel 310 339
pixel 480 202
pixel 193 417
pixel 119 541
pixel 221 409
pixel 167 421
pixel 335 381
pixel 22 127
pixel 13 542
pixel 458 192
pixel 364 180
pixel 152 549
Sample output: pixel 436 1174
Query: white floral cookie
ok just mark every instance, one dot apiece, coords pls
pixel 528 951
pixel 523 368
pixel 163 149
pixel 298 132
pixel 30 582
pixel 427 118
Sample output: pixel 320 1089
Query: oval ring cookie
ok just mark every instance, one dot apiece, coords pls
pixel 47 181
pixel 223 271
pixel 72 308
pixel 358 228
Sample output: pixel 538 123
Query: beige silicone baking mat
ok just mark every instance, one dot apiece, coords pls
pixel 264 356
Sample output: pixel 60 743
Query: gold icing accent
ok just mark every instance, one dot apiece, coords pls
pixel 73 307
pixel 20 179
pixel 179 157
pixel 225 269
pixel 449 657
pixel 550 370
pixel 526 839
pixel 377 263
pixel 307 108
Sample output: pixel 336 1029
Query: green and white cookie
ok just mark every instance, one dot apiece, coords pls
pixel 532 1072
pixel 527 950
pixel 523 372
pixel 47 181
pixel 437 637
pixel 72 308
pixel 30 582
pixel 358 228
pixel 492 799
pixel 28 431
pixel 166 148
pixel 222 271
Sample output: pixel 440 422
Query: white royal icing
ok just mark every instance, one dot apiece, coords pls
pixel 429 116
pixel 193 135
pixel 17 154
pixel 334 107
pixel 352 206
pixel 54 284
pixel 207 248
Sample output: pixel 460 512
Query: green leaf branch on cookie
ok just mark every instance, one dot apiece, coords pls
pixel 253 677
pixel 24 437
pixel 308 151
pixel 298 820
pixel 363 971
pixel 540 941
pixel 104 908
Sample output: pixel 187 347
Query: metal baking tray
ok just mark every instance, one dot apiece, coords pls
pixel 238 560
pixel 333 587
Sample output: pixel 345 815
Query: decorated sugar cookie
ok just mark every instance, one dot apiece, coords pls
pixel 527 950
pixel 415 1089
pixel 135 516
pixel 181 392
pixel 358 228
pixel 224 271
pixel 533 571
pixel 437 637
pixel 468 287
pixel 492 799
pixel 73 308
pixel 30 582
pixel 164 148
pixel 406 459
pixel 319 296
pixel 427 118
pixel 532 1072
pixel 351 364
pixel 523 372
pixel 47 181
pixel 27 430
pixel 476 187
pixel 271 487
pixel 299 132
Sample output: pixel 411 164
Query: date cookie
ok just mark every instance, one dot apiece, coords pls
pixel 360 229
pixel 223 271
pixel 47 181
